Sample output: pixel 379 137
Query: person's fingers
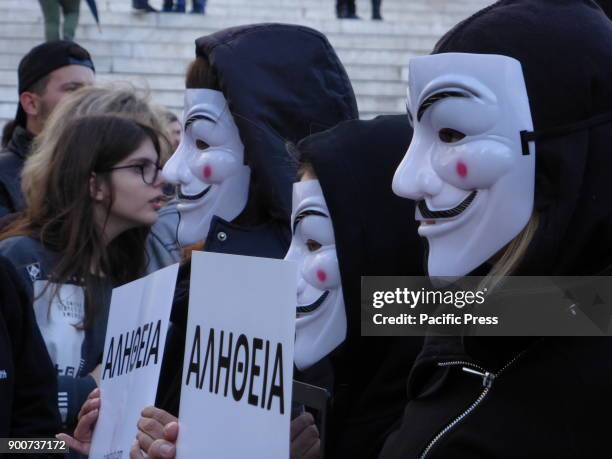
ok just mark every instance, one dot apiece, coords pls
pixel 300 423
pixel 163 417
pixel 314 452
pixel 144 441
pixel 304 441
pixel 90 404
pixel 171 432
pixel 84 428
pixel 135 451
pixel 161 449
pixel 73 443
pixel 151 427
pixel 94 393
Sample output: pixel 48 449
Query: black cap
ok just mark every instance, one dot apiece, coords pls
pixel 44 59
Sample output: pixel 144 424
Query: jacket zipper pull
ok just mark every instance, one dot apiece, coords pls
pixel 487 378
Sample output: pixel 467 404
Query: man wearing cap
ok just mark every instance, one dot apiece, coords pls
pixel 46 74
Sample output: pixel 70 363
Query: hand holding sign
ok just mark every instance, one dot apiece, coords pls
pixel 133 350
pixel 238 364
pixel 83 433
pixel 156 436
pixel 305 441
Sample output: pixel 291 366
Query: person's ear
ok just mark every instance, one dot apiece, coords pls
pixel 98 190
pixel 30 103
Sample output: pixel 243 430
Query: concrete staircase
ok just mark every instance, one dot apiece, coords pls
pixel 152 50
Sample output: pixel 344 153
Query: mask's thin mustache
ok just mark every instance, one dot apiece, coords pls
pixel 449 213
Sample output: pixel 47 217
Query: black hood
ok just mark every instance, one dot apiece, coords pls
pixel 282 83
pixel 376 234
pixel 564 47
pixel 375 230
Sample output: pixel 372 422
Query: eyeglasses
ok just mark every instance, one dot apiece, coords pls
pixel 148 171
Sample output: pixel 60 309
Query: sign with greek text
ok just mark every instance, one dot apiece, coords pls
pixel 133 351
pixel 238 367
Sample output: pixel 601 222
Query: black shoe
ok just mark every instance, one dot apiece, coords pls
pixel 143 7
pixel 178 9
pixel 376 17
pixel 351 16
pixel 197 11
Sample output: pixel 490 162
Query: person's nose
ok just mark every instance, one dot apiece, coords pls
pixel 415 178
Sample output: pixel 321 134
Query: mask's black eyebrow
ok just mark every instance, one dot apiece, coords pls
pixel 193 118
pixel 304 214
pixel 435 98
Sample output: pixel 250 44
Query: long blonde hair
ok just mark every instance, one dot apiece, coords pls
pixel 123 99
pixel 512 255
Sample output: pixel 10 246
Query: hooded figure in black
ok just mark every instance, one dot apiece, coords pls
pixel 250 90
pixel 347 223
pixel 527 86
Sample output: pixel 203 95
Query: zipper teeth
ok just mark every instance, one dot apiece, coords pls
pixel 473 406
pixel 456 421
pixel 461 362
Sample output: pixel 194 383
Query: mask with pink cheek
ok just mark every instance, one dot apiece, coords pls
pixel 466 166
pixel 208 166
pixel 321 316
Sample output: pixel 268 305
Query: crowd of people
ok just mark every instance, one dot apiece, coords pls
pixel 500 167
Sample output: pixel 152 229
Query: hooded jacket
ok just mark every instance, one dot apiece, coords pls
pixel 376 234
pixel 12 159
pixel 535 397
pixel 28 388
pixel 282 83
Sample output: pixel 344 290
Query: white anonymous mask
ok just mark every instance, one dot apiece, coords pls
pixel 321 316
pixel 208 166
pixel 466 167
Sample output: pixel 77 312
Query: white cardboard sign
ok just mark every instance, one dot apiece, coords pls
pixel 133 351
pixel 238 367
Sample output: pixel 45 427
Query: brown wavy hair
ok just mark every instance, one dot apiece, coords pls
pixel 63 218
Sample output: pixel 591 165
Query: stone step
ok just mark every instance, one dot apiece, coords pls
pixel 312 10
pixel 87 33
pixel 442 6
pixel 173 97
pixel 348 54
pixel 153 50
pixel 436 25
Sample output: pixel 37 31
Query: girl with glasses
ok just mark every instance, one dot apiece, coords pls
pixel 82 235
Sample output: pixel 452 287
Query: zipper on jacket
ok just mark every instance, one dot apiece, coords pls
pixel 487 381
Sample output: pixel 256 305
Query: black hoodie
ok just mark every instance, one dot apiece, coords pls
pixel 375 234
pixel 282 83
pixel 28 386
pixel 548 396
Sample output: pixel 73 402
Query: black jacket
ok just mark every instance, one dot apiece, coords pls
pixel 11 163
pixel 544 397
pixel 28 386
pixel 375 234
pixel 257 67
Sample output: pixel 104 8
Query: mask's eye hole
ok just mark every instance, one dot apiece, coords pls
pixel 448 135
pixel 313 246
pixel 201 144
